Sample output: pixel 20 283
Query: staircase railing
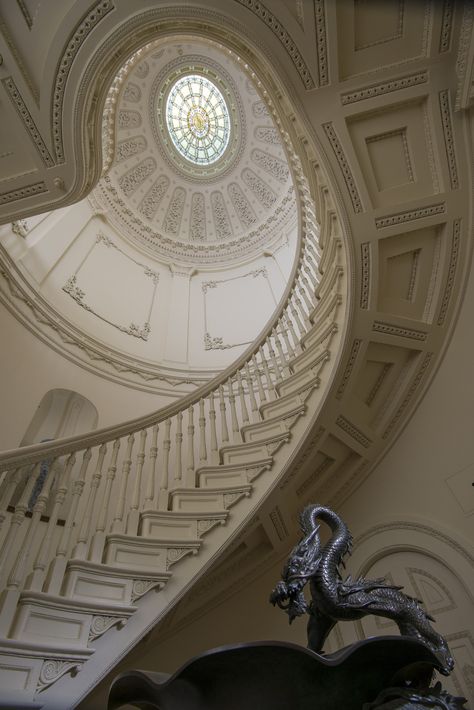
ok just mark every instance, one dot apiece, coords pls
pixel 100 483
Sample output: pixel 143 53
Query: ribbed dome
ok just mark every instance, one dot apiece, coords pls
pixel 211 184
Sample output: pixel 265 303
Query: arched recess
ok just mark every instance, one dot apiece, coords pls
pixel 61 413
pixel 432 566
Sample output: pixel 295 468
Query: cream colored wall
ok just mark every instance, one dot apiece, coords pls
pixel 29 369
pixel 200 318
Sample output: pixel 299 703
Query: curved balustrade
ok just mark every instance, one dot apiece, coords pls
pixel 102 488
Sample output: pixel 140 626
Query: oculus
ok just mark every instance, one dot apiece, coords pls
pixel 197 119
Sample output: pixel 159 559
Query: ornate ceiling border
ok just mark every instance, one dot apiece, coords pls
pixel 50 326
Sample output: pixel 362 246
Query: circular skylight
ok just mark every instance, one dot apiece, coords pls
pixel 197 119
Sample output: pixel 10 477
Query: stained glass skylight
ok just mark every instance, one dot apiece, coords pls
pixel 198 119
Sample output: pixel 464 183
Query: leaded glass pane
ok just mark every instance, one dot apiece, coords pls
pixel 197 119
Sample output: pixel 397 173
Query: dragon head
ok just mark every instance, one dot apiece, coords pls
pixel 301 566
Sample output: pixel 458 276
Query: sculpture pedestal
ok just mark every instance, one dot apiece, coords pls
pixel 280 676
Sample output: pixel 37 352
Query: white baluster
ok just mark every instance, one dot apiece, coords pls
pixel 303 293
pixel 233 413
pixel 44 553
pixel 276 368
pixel 243 404
pixel 301 311
pixel 296 316
pixel 224 429
pixel 298 313
pixel 202 433
pixel 190 473
pixel 16 519
pixel 178 473
pixel 14 478
pixel 258 377
pixel 270 385
pixel 291 328
pixel 98 542
pixel 80 550
pixel 133 517
pixel 253 401
pixel 311 275
pixel 118 522
pixel 20 567
pixel 11 594
pixel 213 431
pixel 284 333
pixel 151 485
pixel 163 500
pixel 285 370
pixel 58 567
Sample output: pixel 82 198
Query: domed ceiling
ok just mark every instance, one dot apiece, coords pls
pixel 194 167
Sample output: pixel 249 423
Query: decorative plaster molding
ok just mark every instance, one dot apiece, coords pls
pixel 175 554
pixel 222 223
pixel 399 331
pixel 365 259
pixel 142 586
pixel 464 60
pixel 344 165
pixel 25 12
pixel 203 526
pixel 241 205
pixel 174 213
pixel 198 217
pixel 267 134
pixel 20 228
pixel 412 571
pixel 150 203
pixel 22 192
pixel 321 42
pixel 133 178
pixel 101 624
pixel 414 385
pixel 279 524
pixel 353 431
pixel 446 26
pixel 262 191
pixel 217 343
pixel 32 130
pixel 128 148
pixel 52 670
pixel 76 39
pixel 453 260
pixel 273 166
pixel 72 289
pixel 409 215
pixel 51 327
pixel 446 120
pixel 349 367
pixel 264 14
pixel 384 87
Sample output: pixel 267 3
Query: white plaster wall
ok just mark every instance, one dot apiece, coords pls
pixel 29 369
pixel 114 288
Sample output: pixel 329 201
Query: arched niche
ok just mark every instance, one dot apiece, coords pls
pixel 61 413
pixel 432 565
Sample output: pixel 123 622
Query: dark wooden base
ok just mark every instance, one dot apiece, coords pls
pixel 280 676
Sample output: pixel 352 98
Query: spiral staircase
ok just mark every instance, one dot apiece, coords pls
pixel 129 517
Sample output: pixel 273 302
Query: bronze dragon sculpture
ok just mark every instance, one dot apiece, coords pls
pixel 336 599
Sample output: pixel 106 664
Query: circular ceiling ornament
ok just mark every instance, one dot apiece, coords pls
pixel 218 84
pixel 198 119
